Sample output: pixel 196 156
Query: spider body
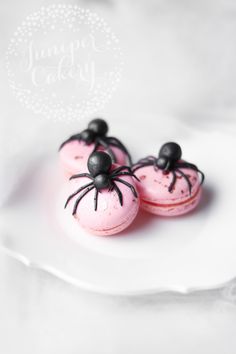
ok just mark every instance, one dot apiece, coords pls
pixel 101 176
pixel 169 161
pixel 96 133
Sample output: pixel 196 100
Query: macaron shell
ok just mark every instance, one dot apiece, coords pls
pixel 110 217
pixel 173 209
pixel 74 156
pixel 156 198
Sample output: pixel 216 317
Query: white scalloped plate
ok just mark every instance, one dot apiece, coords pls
pixel 196 251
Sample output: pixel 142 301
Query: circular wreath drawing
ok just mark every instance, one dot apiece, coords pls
pixel 64 62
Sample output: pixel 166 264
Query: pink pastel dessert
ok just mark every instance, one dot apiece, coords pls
pixel 169 185
pixel 74 152
pixel 103 200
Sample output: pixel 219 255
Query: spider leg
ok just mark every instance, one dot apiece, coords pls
pixel 96 200
pixel 129 172
pixel 202 176
pixel 118 169
pixel 96 146
pixel 73 137
pixel 138 166
pixel 118 191
pixel 186 179
pixel 185 164
pixel 126 174
pixel 127 184
pixel 106 146
pixel 110 189
pixel 65 142
pixel 155 165
pixel 76 192
pixel 151 157
pixel 147 159
pixel 116 142
pixel 81 175
pixel 171 186
pixel 80 197
pixel 191 166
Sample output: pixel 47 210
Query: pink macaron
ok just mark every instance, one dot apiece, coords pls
pixel 74 156
pixel 74 152
pixel 103 200
pixel 169 186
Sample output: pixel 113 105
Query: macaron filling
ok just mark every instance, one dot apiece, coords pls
pixel 168 205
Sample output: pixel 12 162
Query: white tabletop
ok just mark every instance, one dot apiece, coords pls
pixel 41 314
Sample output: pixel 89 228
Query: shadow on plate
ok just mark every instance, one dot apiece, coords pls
pixel 145 220
pixel 206 202
pixel 142 222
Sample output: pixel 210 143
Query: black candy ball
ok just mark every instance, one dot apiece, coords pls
pixel 162 163
pixel 88 136
pixel 98 126
pixel 171 151
pixel 102 181
pixel 99 162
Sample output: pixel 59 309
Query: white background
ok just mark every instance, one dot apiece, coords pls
pixel 180 62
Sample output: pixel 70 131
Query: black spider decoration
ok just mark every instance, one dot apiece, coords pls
pixel 97 133
pixel 169 160
pixel 102 177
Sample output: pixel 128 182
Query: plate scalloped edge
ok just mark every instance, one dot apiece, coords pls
pixel 227 289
